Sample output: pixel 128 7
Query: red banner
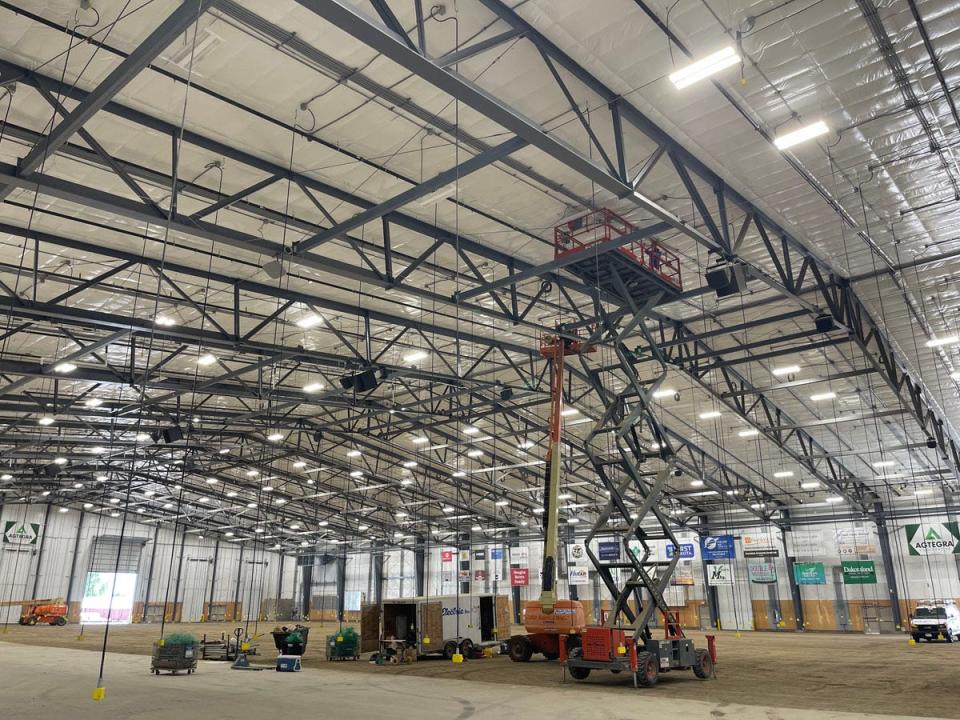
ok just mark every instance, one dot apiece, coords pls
pixel 519 576
pixel 446 556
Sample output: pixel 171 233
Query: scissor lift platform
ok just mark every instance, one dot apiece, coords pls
pixel 642 268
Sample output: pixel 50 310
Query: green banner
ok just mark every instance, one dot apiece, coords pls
pixel 933 538
pixel 859 572
pixel 18 533
pixel 809 573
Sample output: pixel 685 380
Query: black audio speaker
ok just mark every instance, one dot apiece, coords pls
pixel 725 279
pixel 172 434
pixel 361 382
pixel 506 394
pixel 825 323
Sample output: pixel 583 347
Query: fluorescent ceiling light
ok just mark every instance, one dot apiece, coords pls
pixel 749 432
pixel 60 460
pixel 323 523
pixel 476 528
pixel 834 499
pixel 884 463
pixel 471 430
pixel 97 450
pixel 77 486
pixel 354 453
pixel 474 453
pixel 440 194
pixel 538 511
pixel 807 132
pixel 525 444
pixel 275 437
pixel 569 412
pixel 459 474
pixel 501 503
pixel 564 496
pixel 573 520
pixel 810 485
pixel 705 67
pixel 361 528
pixel 208 359
pixel 114 500
pixel 87 506
pixel 786 370
pixel 709 414
pixel 252 473
pixel 410 463
pixel 142 437
pixel 447 508
pixel 299 464
pixel 819 397
pixel 922 493
pixel 232 493
pixel 783 473
pixel 356 473
pixel 402 514
pixel 955 375
pixel 664 393
pixel 935 342
pixel 313 387
pixel 212 481
pixel 64 368
pixel 164 321
pixel 420 440
pixel 406 481
pixel 696 483
pixel 309 321
pixel 101 478
pixel 93 403
pixel 416 356
pixel 6 476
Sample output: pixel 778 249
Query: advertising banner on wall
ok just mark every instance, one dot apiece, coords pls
pixel 520 556
pixel 683 574
pixel 686 551
pixel 933 538
pixel 496 553
pixel 463 575
pixel 854 541
pixel 578 575
pixel 464 556
pixel 760 545
pixel 480 576
pixel 720 574
pixel 446 556
pixel 19 533
pixel 809 573
pixel 577 554
pixel 859 572
pixel 718 547
pixel 806 543
pixel 637 549
pixel 479 554
pixel 519 577
pixel 761 571
pixel 609 550
pixel 98 606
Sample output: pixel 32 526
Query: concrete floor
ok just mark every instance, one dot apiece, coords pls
pixel 47 683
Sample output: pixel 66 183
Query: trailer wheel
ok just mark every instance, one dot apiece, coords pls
pixel 648 669
pixel 449 649
pixel 32 620
pixel 60 621
pixel 576 672
pixel 703 665
pixel 466 648
pixel 520 648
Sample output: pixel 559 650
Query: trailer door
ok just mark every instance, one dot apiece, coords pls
pixel 369 628
pixel 431 627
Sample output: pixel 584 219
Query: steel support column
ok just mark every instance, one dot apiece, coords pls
pixel 889 569
pixel 42 543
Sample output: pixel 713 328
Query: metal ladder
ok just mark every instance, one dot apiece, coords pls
pixel 627 414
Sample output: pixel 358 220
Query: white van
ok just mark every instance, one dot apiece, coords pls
pixel 935 620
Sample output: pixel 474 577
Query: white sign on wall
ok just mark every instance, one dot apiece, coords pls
pixel 577 554
pixel 720 574
pixel 578 575
pixel 520 556
pixel 854 541
pixel 806 543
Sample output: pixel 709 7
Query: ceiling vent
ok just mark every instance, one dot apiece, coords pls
pixel 179 53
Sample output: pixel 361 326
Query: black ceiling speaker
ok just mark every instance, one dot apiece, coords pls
pixel 360 382
pixel 825 323
pixel 169 435
pixel 51 470
pixel 506 394
pixel 725 278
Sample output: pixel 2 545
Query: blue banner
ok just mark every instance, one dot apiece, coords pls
pixel 718 547
pixel 496 553
pixel 687 551
pixel 609 550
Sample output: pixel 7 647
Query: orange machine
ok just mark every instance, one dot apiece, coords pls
pixel 545 629
pixel 549 618
pixel 51 612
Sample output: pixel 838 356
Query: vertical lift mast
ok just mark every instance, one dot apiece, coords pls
pixel 640 275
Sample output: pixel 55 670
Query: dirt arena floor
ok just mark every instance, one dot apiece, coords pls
pixel 853 673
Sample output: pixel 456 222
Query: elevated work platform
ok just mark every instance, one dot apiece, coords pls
pixel 638 269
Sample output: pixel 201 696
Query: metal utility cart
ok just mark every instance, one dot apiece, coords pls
pixel 173 657
pixel 636 277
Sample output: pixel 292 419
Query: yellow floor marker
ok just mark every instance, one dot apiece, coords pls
pixel 457 658
pixel 81 637
pixel 98 694
pixel 911 642
pixel 738 635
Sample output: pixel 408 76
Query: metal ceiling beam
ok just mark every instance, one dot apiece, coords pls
pixel 156 42
pixel 439 181
pixel 480 46
pixel 361 27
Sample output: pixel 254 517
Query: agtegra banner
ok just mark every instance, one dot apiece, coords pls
pixel 933 538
